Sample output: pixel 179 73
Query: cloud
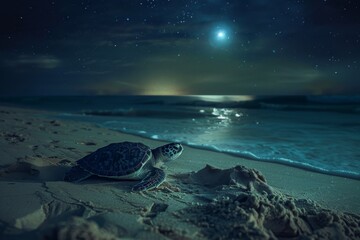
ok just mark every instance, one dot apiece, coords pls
pixel 111 87
pixel 37 61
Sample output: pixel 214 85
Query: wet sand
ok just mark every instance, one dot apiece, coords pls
pixel 208 195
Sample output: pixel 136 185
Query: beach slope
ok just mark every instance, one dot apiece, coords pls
pixel 208 195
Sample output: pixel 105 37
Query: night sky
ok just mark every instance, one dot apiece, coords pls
pixel 175 47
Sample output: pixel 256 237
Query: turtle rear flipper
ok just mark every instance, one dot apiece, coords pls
pixel 154 178
pixel 76 174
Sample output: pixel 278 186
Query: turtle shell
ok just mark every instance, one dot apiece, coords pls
pixel 116 159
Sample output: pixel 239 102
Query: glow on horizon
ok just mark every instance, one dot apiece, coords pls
pixel 162 87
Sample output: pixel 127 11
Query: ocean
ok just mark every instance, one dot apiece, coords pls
pixel 317 133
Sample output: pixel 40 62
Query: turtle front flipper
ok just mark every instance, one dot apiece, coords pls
pixel 154 178
pixel 76 174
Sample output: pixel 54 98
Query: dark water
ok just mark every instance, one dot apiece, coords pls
pixel 319 133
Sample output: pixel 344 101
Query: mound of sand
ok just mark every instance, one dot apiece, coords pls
pixel 256 211
pixel 239 177
pixel 78 228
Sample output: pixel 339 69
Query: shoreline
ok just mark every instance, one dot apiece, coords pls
pixel 232 160
pixel 351 175
pixel 76 116
pixel 300 167
pixel 37 148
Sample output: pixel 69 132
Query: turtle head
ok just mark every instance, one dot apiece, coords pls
pixel 168 152
pixel 171 151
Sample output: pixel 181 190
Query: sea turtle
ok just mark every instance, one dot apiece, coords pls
pixel 126 160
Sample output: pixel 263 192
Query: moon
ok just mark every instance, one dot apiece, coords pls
pixel 221 35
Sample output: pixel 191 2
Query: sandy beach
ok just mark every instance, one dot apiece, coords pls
pixel 207 195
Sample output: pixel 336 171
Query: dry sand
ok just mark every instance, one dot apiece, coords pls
pixel 207 195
